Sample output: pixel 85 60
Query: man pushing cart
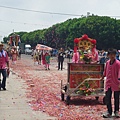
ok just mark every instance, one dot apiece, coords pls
pixel 84 72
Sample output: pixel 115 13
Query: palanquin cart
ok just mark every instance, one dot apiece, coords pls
pixel 83 77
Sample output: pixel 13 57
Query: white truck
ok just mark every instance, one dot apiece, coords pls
pixel 28 50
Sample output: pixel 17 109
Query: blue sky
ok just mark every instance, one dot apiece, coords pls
pixel 29 21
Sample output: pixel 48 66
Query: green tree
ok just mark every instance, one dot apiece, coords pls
pixel 104 29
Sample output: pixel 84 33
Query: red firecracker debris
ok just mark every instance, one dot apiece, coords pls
pixel 43 93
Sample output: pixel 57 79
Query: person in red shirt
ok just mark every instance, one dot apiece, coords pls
pixel 112 74
pixel 3 61
pixel 43 54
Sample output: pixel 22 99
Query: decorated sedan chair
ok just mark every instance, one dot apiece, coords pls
pixel 84 72
pixel 85 50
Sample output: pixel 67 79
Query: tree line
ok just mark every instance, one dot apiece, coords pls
pixel 104 29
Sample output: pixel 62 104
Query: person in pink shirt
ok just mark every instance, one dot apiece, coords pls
pixel 3 61
pixel 112 74
pixel 43 54
pixel 14 54
pixel 95 57
pixel 76 57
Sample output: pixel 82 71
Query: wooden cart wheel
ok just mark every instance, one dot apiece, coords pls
pixel 62 96
pixel 96 97
pixel 104 100
pixel 68 100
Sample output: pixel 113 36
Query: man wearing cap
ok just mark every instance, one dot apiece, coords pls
pixel 3 61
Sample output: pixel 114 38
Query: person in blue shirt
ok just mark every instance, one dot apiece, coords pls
pixel 117 55
pixel 103 57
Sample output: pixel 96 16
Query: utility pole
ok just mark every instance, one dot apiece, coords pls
pixel 88 14
pixel 0 38
pixel 13 31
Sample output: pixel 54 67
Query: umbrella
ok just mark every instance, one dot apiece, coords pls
pixel 43 47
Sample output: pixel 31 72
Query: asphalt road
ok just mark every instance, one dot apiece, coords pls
pixel 14 104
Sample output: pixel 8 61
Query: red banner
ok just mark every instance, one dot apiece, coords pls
pixel 79 72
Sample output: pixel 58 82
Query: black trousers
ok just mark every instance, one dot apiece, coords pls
pixel 3 81
pixel 60 64
pixel 109 103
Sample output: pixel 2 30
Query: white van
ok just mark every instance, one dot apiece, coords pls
pixel 28 50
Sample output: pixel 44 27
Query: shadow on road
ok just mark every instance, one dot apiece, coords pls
pixel 86 101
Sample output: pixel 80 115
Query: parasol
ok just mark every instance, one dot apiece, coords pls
pixel 43 47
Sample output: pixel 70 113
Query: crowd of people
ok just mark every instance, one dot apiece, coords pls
pixel 103 56
pixel 111 72
pixel 98 56
pixel 42 57
pixel 14 53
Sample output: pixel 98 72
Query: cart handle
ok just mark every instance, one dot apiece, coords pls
pixel 82 83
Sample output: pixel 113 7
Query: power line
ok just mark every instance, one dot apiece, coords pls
pixel 22 23
pixel 44 12
pixel 39 11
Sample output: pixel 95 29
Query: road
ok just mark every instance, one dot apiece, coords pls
pixel 13 102
pixel 34 94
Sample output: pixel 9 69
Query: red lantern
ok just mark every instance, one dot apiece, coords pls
pixel 93 42
pixel 85 37
pixel 76 40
